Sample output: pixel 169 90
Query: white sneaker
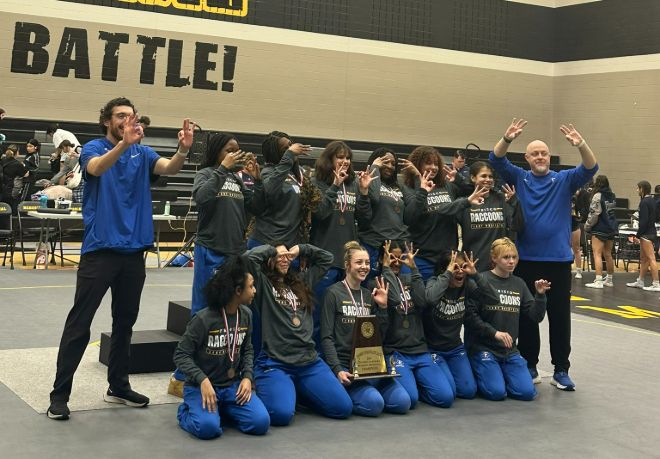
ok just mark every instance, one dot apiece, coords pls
pixel 637 284
pixel 608 281
pixel 578 274
pixel 652 288
pixel 595 284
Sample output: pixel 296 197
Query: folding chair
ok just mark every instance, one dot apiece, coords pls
pixel 7 233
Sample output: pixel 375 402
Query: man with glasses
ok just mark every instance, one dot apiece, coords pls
pixel 544 245
pixel 118 229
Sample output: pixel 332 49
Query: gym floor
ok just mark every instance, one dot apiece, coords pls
pixel 613 413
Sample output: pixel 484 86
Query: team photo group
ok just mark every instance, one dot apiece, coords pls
pixel 454 265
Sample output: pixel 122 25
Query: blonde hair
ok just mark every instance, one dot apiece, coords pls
pixel 349 248
pixel 500 246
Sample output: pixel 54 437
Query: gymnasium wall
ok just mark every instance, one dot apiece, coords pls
pixel 442 72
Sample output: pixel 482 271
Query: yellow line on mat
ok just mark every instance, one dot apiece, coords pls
pixel 636 330
pixel 72 286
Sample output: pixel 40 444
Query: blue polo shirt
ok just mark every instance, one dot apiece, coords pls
pixel 117 205
pixel 546 203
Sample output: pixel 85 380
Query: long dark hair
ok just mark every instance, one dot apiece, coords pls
pixel 292 279
pixel 602 182
pixel 419 157
pixel 215 145
pixel 324 169
pixel 645 187
pixel 379 153
pixel 222 287
pixel 270 147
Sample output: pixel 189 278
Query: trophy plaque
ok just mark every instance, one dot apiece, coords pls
pixel 368 361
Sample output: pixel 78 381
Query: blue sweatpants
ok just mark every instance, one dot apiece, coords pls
pixel 278 385
pixel 422 379
pixel 373 396
pixel 425 267
pixel 206 262
pixel 456 366
pixel 251 418
pixel 497 377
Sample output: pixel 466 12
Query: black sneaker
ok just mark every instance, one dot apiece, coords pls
pixel 129 397
pixel 58 411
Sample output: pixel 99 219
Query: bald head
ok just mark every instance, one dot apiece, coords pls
pixel 537 155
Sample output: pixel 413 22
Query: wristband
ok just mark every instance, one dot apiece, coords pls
pixel 506 139
pixel 180 153
pixel 581 144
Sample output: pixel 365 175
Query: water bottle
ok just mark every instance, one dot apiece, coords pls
pixel 167 208
pixel 43 201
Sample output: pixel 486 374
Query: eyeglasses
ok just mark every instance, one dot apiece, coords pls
pixel 122 116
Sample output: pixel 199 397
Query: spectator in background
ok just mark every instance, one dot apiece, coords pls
pixel 458 164
pixel 647 235
pixel 59 135
pixel 31 162
pixel 68 161
pixel 603 227
pixel 3 113
pixel 12 169
pixel 145 122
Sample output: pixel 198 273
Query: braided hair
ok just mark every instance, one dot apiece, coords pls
pixel 214 147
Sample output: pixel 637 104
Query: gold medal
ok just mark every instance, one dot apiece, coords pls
pixel 231 373
pixel 342 220
pixel 296 321
pixel 406 323
pixel 397 209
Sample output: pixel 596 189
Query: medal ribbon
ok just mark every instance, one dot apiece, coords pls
pixel 343 203
pixel 404 305
pixel 231 349
pixel 348 289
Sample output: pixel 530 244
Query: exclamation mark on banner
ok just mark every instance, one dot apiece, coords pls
pixel 229 66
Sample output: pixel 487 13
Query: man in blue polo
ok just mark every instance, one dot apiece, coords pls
pixel 544 244
pixel 118 228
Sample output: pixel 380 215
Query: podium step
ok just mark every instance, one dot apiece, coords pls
pixel 178 316
pixel 151 351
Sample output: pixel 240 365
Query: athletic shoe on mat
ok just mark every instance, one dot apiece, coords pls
pixel 562 381
pixel 129 397
pixel 58 410
pixel 536 378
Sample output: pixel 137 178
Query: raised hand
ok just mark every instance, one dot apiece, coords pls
pixel 364 180
pixel 514 129
pixel 450 173
pixel 571 134
pixel 252 166
pixel 477 196
pixel 509 191
pixel 379 293
pixel 294 252
pixel 452 262
pixel 233 160
pixel 185 135
pixel 408 258
pixel 427 183
pixel 132 130
pixel 344 377
pixel 299 149
pixel 505 338
pixel 470 265
pixel 387 256
pixel 542 286
pixel 407 166
pixel 244 392
pixel 341 174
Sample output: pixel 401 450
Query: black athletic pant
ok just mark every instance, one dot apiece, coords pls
pixel 559 313
pixel 124 274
